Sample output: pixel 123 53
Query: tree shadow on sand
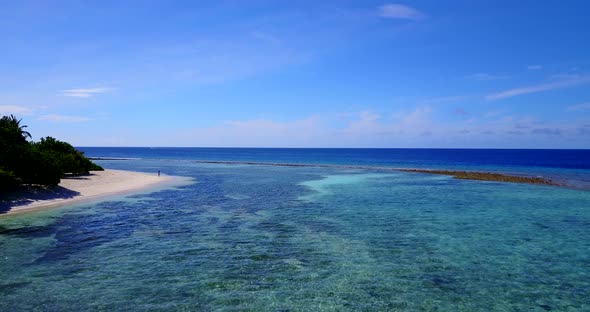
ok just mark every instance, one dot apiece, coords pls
pixel 33 193
pixel 84 176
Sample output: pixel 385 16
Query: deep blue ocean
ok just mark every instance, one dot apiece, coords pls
pixel 410 157
pixel 259 237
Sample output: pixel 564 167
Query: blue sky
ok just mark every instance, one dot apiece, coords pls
pixel 477 74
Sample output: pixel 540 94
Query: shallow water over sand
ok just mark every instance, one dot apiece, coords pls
pixel 303 239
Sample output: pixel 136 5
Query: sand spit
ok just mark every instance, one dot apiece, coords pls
pixel 81 189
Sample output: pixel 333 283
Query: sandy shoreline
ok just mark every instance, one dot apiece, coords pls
pixel 72 190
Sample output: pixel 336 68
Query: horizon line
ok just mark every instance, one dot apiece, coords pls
pixel 260 147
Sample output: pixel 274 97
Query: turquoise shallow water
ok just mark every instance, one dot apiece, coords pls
pixel 263 238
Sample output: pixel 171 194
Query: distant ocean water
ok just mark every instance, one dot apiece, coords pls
pixel 568 166
pixel 268 238
pixel 414 157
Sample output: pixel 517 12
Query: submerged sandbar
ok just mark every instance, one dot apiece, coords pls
pixel 465 175
pixel 79 189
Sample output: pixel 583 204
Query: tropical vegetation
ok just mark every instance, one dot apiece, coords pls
pixel 25 162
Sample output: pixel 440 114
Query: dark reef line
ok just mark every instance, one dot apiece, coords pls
pixel 486 176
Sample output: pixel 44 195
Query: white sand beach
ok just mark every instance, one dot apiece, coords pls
pixel 84 188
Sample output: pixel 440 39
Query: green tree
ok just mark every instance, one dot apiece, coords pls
pixel 10 126
pixel 8 180
pixel 13 145
pixel 44 162
pixel 43 168
pixel 70 160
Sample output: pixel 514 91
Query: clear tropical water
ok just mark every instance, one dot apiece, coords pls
pixel 267 238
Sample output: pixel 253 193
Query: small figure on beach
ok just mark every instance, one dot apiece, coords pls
pixel 158 173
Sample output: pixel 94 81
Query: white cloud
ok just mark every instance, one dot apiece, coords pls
pixel 400 11
pixel 369 128
pixel 412 127
pixel 63 118
pixel 415 120
pixel 579 107
pixel 254 133
pixel 484 77
pixel 461 111
pixel 547 131
pixel 362 129
pixel 266 37
pixel 538 88
pixel 565 76
pixel 534 67
pixel 84 92
pixel 15 110
pixel 492 114
pixel 445 99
